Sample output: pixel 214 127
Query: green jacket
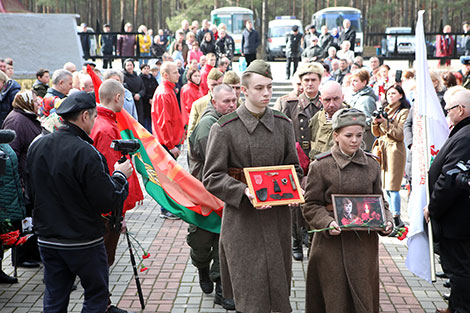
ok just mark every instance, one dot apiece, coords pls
pixel 11 202
pixel 198 141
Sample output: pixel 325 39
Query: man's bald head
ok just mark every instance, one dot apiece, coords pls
pixel 331 96
pixel 111 94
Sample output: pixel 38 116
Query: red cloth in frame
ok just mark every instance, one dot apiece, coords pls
pixel 267 182
pixel 204 73
pixel 167 120
pixel 103 133
pixel 189 93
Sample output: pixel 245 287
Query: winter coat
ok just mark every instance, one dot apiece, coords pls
pixel 107 43
pixel 167 121
pixel 7 94
pixel 449 205
pixel 349 35
pixel 144 43
pixel 311 52
pixel 364 100
pixel 255 245
pixel 250 41
pixel 40 88
pixel 326 41
pixel 189 93
pixel 343 270
pixel 204 73
pixel 125 45
pixel 225 46
pixel 11 202
pixel 134 84
pixel 27 127
pixel 391 147
pixel 103 133
pixel 293 43
pixel 157 50
pixel 207 47
pixel 444 46
pixel 150 85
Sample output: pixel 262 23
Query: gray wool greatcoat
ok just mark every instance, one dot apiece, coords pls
pixel 255 245
pixel 343 270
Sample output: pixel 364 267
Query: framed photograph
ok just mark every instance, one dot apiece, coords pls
pixel 274 185
pixel 359 212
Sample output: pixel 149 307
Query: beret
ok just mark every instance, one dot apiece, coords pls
pixel 76 102
pixel 260 67
pixel 309 68
pixel 215 74
pixel 347 117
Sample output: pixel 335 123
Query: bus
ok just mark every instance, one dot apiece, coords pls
pixel 333 17
pixel 235 19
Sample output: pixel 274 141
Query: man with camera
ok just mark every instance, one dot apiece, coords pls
pixel 104 131
pixel 449 205
pixel 70 188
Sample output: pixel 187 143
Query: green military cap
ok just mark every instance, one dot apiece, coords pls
pixel 76 102
pixel 347 117
pixel 215 74
pixel 308 68
pixel 231 78
pixel 260 67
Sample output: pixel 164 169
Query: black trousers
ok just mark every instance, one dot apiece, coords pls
pixel 107 61
pixel 455 261
pixel 60 269
pixel 290 60
pixel 250 58
pixel 204 250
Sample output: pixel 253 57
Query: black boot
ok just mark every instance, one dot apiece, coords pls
pixel 398 222
pixel 5 279
pixel 205 282
pixel 227 304
pixel 297 250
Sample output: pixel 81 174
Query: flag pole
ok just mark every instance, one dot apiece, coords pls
pixel 426 142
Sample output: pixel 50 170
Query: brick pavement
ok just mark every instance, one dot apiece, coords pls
pixel 171 283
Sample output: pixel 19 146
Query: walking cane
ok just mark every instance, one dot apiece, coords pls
pixel 136 275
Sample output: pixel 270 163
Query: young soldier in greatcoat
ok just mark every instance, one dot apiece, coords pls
pixel 255 247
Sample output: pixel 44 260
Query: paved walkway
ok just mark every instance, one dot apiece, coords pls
pixel 171 285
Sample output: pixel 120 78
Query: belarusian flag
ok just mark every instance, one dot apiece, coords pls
pixel 165 180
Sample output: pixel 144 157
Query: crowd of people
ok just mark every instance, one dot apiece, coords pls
pixel 346 128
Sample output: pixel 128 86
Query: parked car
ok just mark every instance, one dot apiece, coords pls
pixel 403 44
pixel 276 39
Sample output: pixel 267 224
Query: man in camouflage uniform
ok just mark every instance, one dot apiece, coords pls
pixel 300 110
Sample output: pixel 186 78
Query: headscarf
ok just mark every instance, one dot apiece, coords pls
pixel 24 101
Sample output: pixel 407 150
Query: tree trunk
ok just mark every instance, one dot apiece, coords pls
pixel 264 28
pixel 160 14
pixel 122 9
pixel 134 20
pixel 108 11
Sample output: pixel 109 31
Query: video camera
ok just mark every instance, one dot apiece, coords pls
pixel 125 147
pixel 380 112
pixel 459 176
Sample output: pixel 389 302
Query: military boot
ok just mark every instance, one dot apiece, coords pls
pixel 227 304
pixel 205 282
pixel 297 250
pixel 398 222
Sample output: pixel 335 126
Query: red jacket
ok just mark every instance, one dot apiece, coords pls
pixel 189 93
pixel 444 47
pixel 103 133
pixel 204 73
pixel 167 120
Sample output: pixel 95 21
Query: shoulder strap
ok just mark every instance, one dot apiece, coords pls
pixel 224 120
pixel 322 155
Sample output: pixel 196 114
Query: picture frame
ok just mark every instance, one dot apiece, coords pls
pixel 366 212
pixel 273 185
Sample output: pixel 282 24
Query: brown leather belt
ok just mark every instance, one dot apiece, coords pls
pixel 237 173
pixel 305 145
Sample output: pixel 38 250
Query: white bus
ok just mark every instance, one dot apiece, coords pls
pixel 235 19
pixel 333 17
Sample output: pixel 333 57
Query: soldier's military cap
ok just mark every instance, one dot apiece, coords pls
pixel 260 67
pixel 215 74
pixel 309 68
pixel 76 102
pixel 347 117
pixel 231 78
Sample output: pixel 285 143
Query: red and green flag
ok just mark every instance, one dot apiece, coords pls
pixel 166 181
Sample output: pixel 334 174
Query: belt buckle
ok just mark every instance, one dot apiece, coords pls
pixel 305 145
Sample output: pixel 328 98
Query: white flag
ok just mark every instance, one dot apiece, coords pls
pixel 430 131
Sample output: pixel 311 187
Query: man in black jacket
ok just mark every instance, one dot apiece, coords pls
pixel 70 187
pixel 107 43
pixel 293 42
pixel 136 86
pixel 348 34
pixel 449 205
pixel 250 42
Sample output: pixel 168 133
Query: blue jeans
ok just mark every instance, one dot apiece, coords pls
pixel 394 200
pixel 144 54
pixel 60 269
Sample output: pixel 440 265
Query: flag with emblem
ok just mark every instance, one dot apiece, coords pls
pixel 165 180
pixel 430 131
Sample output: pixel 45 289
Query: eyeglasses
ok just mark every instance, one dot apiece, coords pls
pixel 449 109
